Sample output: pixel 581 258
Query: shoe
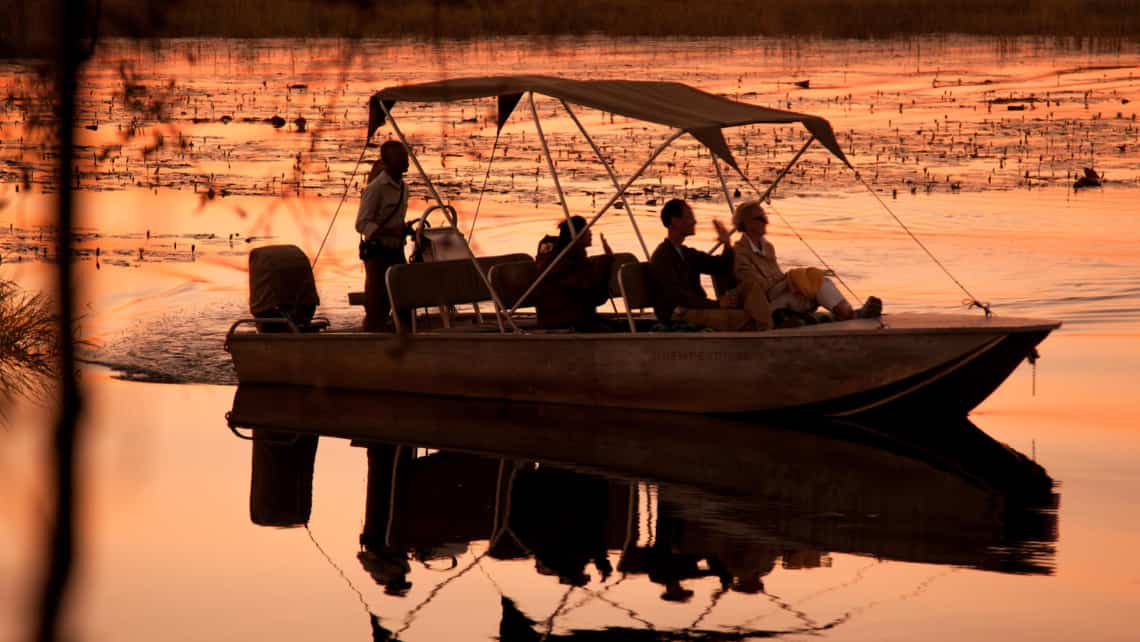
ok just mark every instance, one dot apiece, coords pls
pixel 872 309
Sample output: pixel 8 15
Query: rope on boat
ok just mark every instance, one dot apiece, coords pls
pixel 339 570
pixel 972 301
pixel 409 619
pixel 483 190
pixel 561 605
pixel 922 587
pixel 338 205
pixel 719 593
pixel 766 198
pixel 1032 358
pixel 784 220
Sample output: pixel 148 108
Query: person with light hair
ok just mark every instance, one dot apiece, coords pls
pixel 773 297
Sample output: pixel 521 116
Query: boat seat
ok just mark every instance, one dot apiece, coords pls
pixel 441 283
pixel 511 280
pixel 633 283
pixel 357 298
pixel 621 259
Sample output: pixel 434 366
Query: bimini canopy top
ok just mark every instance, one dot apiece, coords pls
pixel 668 103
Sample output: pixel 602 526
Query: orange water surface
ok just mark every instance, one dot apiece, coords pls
pixel 173 198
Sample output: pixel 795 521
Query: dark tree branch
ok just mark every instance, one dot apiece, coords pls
pixel 58 567
pixel 96 21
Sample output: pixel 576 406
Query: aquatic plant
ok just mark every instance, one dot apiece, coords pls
pixel 28 333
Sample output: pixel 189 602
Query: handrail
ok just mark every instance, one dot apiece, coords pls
pixel 270 320
pixel 234 427
pixel 628 308
pixel 448 213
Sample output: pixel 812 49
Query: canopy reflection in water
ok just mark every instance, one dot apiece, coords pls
pixel 677 497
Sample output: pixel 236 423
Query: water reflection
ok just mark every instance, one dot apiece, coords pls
pixel 597 497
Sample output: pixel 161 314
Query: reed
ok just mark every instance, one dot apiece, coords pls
pixel 1080 19
pixel 28 339
pixel 825 18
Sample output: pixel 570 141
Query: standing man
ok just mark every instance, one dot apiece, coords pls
pixel 674 274
pixel 380 222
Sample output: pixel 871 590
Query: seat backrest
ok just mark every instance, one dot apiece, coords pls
pixel 621 259
pixel 421 285
pixel 511 280
pixel 443 244
pixel 633 281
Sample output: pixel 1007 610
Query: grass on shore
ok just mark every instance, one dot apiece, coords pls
pixel 28 333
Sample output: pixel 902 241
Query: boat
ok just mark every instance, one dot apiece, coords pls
pixel 898 364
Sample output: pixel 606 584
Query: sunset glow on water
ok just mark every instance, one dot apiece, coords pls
pixel 973 143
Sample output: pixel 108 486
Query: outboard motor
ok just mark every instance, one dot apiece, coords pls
pixel 281 286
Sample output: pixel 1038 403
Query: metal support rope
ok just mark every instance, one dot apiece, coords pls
pixel 338 205
pixel 784 220
pixel 972 301
pixel 483 190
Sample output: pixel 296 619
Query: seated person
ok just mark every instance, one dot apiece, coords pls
pixel 674 276
pixel 765 290
pixel 569 296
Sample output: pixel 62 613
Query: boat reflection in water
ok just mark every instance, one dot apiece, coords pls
pixel 592 494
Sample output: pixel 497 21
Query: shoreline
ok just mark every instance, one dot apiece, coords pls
pixel 23 31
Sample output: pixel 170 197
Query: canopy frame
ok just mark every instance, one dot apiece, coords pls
pixel 380 112
pixel 613 199
pixel 672 104
pixel 431 187
pixel 610 171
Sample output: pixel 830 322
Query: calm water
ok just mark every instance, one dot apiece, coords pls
pixel 524 523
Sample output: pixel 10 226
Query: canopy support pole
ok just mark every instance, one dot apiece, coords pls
pixel 549 158
pixel 723 185
pixel 613 177
pixel 412 154
pixel 783 172
pixel 613 199
pixel 764 195
pixel 785 221
pixel 420 168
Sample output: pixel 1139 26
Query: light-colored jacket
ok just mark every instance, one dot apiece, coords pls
pixel 383 206
pixel 756 269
